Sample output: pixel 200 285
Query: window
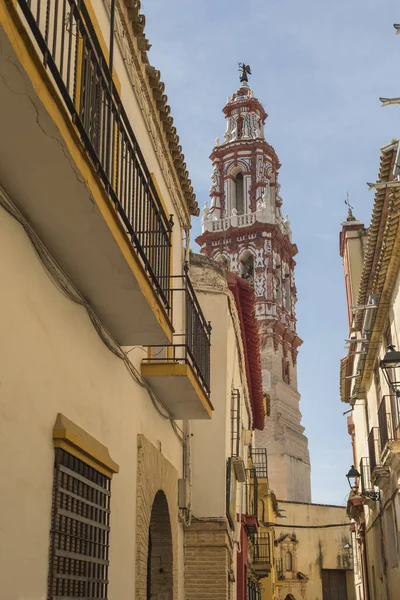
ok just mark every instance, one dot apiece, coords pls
pixel 288 561
pixel 239 194
pixel 80 530
pixel 286 371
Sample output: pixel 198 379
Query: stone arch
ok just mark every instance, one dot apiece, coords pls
pixel 156 506
pixel 159 555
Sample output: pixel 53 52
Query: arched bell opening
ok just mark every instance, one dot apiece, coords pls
pixel 246 266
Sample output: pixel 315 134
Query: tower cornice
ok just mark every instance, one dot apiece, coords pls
pixel 207 238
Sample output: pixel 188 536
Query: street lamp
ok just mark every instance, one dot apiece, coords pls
pixel 390 366
pixel 352 475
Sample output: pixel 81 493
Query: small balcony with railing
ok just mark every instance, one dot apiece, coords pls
pixel 374 449
pixel 261 554
pixel 250 517
pixel 254 590
pixel 365 476
pixel 71 163
pixel 179 373
pixel 260 462
pixel 389 427
pixel 280 573
pixel 237 434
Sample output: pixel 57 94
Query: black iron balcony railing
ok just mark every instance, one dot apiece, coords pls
pixel 254 591
pixel 374 448
pixel 388 417
pixel 261 553
pixel 195 342
pixel 365 472
pixel 72 54
pixel 235 423
pixel 251 492
pixel 260 461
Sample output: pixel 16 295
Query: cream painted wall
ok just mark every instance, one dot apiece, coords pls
pixel 211 445
pixel 317 548
pixel 130 101
pixel 52 360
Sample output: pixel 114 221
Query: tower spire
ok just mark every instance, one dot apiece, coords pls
pixel 244 226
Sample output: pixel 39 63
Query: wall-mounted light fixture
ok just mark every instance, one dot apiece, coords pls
pixel 390 366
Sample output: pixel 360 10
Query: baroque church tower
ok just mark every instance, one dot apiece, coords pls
pixel 244 225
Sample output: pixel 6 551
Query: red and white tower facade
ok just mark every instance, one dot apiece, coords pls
pixel 244 226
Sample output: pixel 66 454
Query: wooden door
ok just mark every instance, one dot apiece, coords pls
pixel 334 584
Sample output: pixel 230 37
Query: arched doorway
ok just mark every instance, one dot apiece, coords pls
pixel 290 597
pixel 160 556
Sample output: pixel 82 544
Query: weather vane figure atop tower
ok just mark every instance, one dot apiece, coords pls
pixel 244 71
pixel 350 207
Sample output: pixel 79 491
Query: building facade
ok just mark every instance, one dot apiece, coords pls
pixel 368 385
pixel 95 203
pixel 222 540
pixel 244 225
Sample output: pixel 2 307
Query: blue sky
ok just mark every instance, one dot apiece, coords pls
pixel 319 68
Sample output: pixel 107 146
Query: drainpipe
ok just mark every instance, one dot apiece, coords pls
pixel 364 567
pixel 383 553
pixel 187 425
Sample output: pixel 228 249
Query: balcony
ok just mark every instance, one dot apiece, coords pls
pixel 260 462
pixel 70 162
pixel 374 449
pixel 236 437
pixel 261 555
pixel 180 373
pixel 251 502
pixel 280 574
pixel 365 479
pixel 262 214
pixel 389 426
pixel 254 590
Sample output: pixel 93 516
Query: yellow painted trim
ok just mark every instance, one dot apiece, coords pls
pixel 77 441
pixel 30 61
pixel 169 369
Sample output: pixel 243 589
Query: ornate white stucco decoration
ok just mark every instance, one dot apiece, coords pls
pixel 259 286
pixel 259 168
pixel 214 179
pixel 259 259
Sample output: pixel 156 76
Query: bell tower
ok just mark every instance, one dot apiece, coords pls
pixel 243 225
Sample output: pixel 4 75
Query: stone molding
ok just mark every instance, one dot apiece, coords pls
pixel 154 473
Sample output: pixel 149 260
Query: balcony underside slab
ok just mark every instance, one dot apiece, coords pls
pixel 178 389
pixel 47 174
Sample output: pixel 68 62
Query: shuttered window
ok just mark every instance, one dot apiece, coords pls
pixel 80 530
